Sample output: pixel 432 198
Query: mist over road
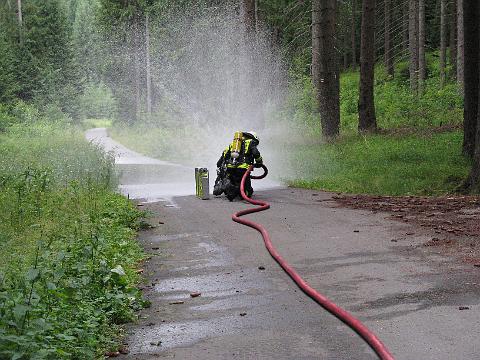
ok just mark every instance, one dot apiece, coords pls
pixel 151 180
pixel 250 309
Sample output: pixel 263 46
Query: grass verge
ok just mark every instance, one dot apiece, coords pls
pixel 67 246
pixel 383 164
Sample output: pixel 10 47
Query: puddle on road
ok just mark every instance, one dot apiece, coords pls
pixel 161 238
pixel 233 303
pixel 183 333
pixel 154 183
pixel 216 255
pixel 204 254
pixel 212 285
pixel 235 292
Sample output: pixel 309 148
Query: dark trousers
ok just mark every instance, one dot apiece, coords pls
pixel 236 175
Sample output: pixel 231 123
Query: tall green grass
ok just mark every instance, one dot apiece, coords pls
pixel 67 247
pixel 380 164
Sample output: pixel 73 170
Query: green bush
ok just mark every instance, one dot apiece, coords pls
pixel 21 113
pixel 6 118
pixel 67 247
pixel 97 102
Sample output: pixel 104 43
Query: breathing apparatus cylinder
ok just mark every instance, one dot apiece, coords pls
pixel 236 146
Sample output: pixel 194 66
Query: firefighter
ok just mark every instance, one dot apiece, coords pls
pixel 234 162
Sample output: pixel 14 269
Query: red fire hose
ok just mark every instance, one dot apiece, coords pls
pixel 322 300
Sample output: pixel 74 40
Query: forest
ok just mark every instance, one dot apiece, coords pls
pixel 350 96
pixel 214 65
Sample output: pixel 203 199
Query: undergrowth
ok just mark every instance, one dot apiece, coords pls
pixel 395 104
pixel 67 247
pixel 417 150
pixel 383 164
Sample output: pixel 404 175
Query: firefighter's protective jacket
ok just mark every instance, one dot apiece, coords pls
pixel 248 155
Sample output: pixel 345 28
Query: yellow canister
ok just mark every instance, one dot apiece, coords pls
pixel 236 145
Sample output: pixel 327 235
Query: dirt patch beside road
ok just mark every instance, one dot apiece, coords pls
pixel 455 220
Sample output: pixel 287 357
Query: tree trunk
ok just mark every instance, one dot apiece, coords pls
pixel 135 48
pixel 472 184
pixel 443 40
pixel 257 15
pixel 19 13
pixel 460 45
pixel 324 65
pixel 20 20
pixel 147 60
pixel 353 35
pixel 413 43
pixel 474 177
pixel 250 15
pixel 366 104
pixel 388 43
pixel 471 12
pixel 453 37
pixel 406 27
pixel 422 64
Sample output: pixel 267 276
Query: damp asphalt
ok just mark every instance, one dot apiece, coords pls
pixel 248 308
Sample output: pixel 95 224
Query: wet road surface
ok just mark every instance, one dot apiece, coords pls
pixel 408 295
